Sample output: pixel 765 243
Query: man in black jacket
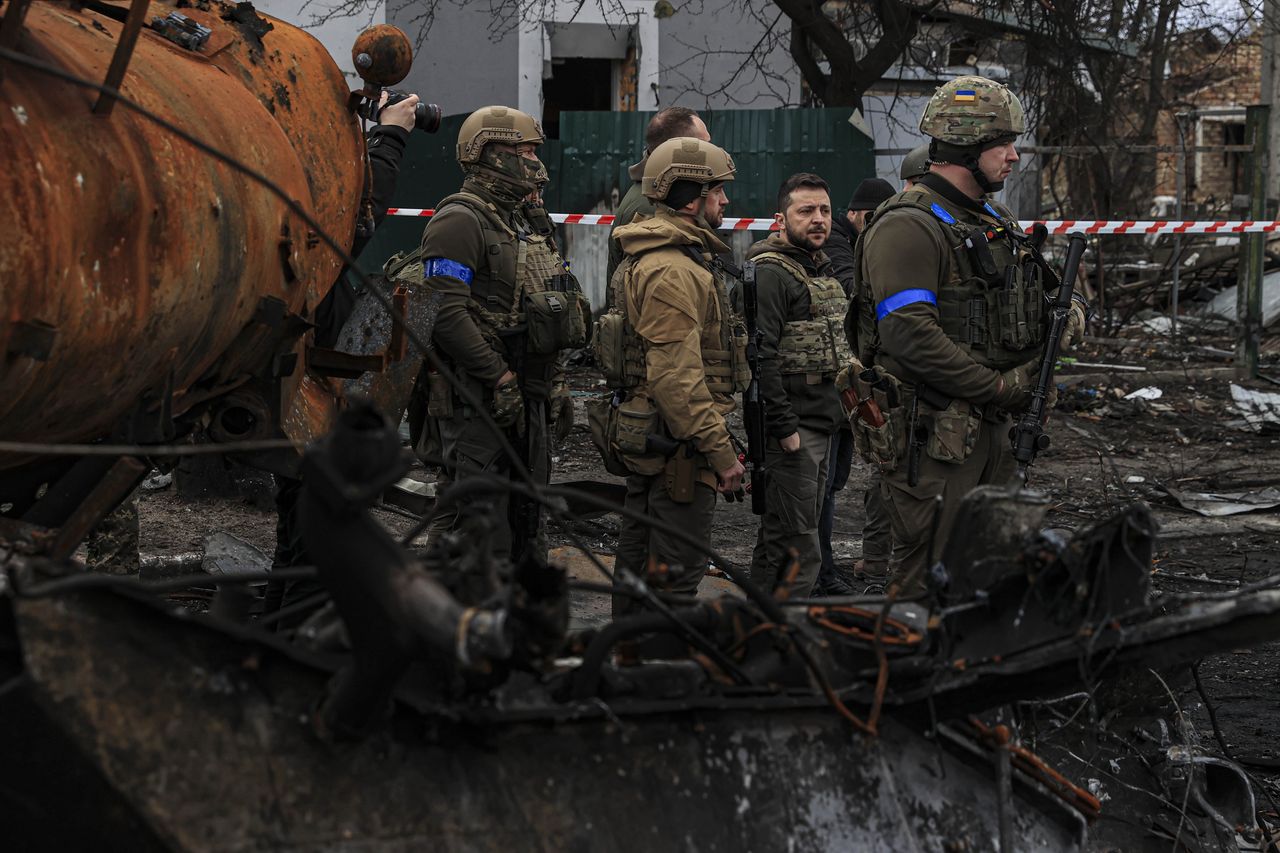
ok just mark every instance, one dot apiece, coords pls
pixel 877 543
pixel 798 297
pixel 386 142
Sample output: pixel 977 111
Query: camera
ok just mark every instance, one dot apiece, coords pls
pixel 426 116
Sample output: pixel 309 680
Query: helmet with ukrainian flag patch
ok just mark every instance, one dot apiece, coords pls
pixel 973 111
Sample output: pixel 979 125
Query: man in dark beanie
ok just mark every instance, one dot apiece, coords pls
pixel 876 540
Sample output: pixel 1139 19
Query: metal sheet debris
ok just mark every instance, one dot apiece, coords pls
pixel 226 554
pixel 1261 409
pixel 1213 505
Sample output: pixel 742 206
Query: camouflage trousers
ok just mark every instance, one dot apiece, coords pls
pixel 113 545
pixel 796 487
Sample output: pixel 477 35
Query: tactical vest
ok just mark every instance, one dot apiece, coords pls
pixel 815 347
pixel 997 313
pixel 524 284
pixel 620 350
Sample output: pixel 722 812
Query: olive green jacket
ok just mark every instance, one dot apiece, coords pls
pixel 789 401
pixel 633 202
pixel 906 250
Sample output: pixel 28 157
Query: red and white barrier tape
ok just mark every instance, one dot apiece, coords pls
pixel 1055 226
pixel 730 223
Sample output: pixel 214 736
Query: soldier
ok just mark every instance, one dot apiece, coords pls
pixel 801 307
pixel 681 357
pixel 507 309
pixel 877 531
pixel 957 330
pixel 914 166
pixel 665 124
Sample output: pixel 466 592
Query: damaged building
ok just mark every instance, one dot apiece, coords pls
pixel 1062 683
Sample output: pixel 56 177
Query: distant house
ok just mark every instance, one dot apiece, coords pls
pixel 647 54
pixel 1211 79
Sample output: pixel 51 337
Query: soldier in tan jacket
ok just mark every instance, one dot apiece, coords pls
pixel 683 360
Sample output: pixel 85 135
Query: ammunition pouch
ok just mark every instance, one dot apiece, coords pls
pixel 557 320
pixel 953 430
pixel 884 446
pixel 620 428
pixel 617 352
pixel 1021 304
pixel 812 347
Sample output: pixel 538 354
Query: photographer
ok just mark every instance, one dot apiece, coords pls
pixel 386 142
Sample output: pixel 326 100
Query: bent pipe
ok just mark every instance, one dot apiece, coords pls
pixel 393 609
pixel 586 680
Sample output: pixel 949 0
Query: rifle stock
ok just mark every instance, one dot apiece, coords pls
pixel 752 405
pixel 1027 436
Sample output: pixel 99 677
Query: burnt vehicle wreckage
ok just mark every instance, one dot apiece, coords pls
pixel 449 703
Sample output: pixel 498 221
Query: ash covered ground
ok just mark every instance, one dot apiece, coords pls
pixel 1107 451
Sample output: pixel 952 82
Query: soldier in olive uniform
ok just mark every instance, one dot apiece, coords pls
pixel 914 166
pixel 506 311
pixel 665 124
pixel 800 309
pixel 956 318
pixel 680 358
pixel 877 531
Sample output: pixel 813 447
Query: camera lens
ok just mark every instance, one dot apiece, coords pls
pixel 427 117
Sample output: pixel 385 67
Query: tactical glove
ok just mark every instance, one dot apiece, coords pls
pixel 561 413
pixel 844 383
pixel 508 406
pixel 1073 331
pixel 1014 391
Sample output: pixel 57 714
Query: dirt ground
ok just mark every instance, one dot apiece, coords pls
pixel 1106 451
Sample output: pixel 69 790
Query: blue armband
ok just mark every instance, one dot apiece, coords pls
pixel 903 298
pixel 444 266
pixel 941 212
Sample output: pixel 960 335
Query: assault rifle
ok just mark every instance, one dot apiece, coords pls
pixel 1028 436
pixel 752 405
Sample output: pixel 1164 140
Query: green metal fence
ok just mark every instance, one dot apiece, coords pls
pixel 589 162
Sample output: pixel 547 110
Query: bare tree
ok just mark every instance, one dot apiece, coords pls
pixel 858 44
pixel 416 17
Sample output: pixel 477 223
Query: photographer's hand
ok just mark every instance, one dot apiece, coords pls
pixel 400 113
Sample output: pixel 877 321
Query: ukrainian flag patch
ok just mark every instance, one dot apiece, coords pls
pixel 965 96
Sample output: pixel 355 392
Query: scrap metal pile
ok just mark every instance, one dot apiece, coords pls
pixel 449 704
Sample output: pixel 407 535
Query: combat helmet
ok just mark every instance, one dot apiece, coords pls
pixel 968 115
pixel 915 164
pixel 506 174
pixel 496 124
pixel 685 158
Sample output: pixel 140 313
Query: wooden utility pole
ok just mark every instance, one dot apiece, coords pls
pixel 1252 246
pixel 1270 92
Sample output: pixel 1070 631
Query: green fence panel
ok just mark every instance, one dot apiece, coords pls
pixel 588 164
pixel 766 145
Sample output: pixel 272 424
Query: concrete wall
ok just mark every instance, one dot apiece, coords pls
pixel 703 49
pixel 462 65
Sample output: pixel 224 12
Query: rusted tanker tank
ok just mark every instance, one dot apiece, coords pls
pixel 134 267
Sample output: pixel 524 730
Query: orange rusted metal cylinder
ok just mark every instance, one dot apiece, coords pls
pixel 129 260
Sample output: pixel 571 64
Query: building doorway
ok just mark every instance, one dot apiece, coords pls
pixel 576 83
